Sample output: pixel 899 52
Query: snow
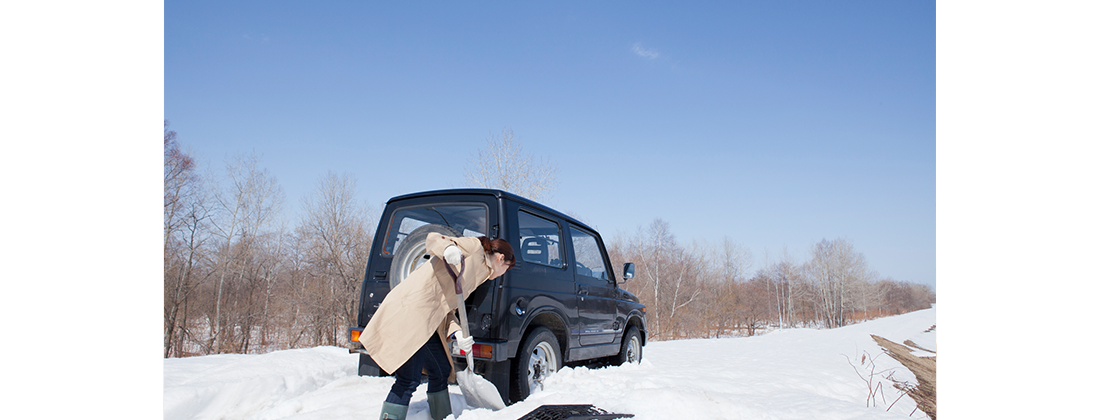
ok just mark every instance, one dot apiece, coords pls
pixel 785 374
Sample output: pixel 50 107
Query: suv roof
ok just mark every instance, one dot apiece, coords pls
pixel 495 193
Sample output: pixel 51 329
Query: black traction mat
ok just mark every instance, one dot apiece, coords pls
pixel 572 412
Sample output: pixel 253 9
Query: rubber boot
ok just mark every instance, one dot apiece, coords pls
pixel 391 411
pixel 439 404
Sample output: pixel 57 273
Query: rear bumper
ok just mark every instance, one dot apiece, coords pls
pixel 484 350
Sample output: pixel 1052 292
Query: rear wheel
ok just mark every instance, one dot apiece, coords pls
pixel 413 251
pixel 540 356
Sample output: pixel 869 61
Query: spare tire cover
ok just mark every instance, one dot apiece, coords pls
pixel 412 251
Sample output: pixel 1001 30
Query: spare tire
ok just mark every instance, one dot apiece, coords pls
pixel 412 251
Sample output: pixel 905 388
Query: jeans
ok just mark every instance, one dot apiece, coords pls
pixel 431 356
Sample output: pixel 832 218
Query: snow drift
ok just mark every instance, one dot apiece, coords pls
pixel 785 374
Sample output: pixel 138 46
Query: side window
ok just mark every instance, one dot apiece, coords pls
pixel 588 254
pixel 539 240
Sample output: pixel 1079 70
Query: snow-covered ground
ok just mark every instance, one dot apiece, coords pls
pixel 785 374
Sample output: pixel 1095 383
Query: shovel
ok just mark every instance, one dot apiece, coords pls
pixel 479 392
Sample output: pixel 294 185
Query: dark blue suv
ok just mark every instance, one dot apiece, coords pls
pixel 559 305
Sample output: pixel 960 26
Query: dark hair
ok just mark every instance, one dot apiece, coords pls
pixel 499 246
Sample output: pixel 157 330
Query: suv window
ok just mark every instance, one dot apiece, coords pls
pixel 589 258
pixel 540 240
pixel 467 219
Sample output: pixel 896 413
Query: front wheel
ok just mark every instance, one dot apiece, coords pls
pixel 631 351
pixel 540 357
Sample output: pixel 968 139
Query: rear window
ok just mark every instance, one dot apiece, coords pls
pixel 467 219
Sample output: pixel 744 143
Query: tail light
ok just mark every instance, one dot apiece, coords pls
pixel 353 334
pixel 484 351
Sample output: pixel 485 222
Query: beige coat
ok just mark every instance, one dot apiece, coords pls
pixel 423 303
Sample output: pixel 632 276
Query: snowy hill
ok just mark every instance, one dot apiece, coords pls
pixel 785 374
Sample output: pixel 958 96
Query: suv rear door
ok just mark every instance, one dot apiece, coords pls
pixel 469 214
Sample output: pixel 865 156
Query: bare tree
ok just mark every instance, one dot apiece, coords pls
pixel 185 232
pixel 300 321
pixel 900 297
pixel 866 296
pixel 246 207
pixel 789 286
pixel 754 303
pixel 835 268
pixel 669 281
pixel 337 230
pixel 179 181
pixel 688 264
pixel 736 259
pixel 503 165
pixel 652 248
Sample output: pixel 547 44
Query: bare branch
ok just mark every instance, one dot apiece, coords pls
pixel 503 165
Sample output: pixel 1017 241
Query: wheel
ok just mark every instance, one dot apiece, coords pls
pixel 631 351
pixel 412 252
pixel 539 357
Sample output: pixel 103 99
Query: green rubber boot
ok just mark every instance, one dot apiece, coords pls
pixel 439 403
pixel 391 411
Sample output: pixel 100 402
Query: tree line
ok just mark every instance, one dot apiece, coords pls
pixel 705 290
pixel 239 278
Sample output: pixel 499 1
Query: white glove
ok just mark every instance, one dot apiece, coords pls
pixel 466 344
pixel 452 255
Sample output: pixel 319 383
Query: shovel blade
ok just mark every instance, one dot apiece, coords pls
pixel 479 392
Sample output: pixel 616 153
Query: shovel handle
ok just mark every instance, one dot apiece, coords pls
pixel 462 308
pixel 465 329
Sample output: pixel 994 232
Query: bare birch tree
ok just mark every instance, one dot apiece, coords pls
pixel 652 249
pixel 246 207
pixel 503 165
pixel 687 288
pixel 835 268
pixel 789 286
pixel 668 280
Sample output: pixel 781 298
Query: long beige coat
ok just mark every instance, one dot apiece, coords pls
pixel 423 303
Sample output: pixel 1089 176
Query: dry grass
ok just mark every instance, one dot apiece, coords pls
pixel 923 367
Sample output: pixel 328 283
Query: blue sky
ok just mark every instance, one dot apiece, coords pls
pixel 777 124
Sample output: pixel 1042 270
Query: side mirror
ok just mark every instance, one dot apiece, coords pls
pixel 628 271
